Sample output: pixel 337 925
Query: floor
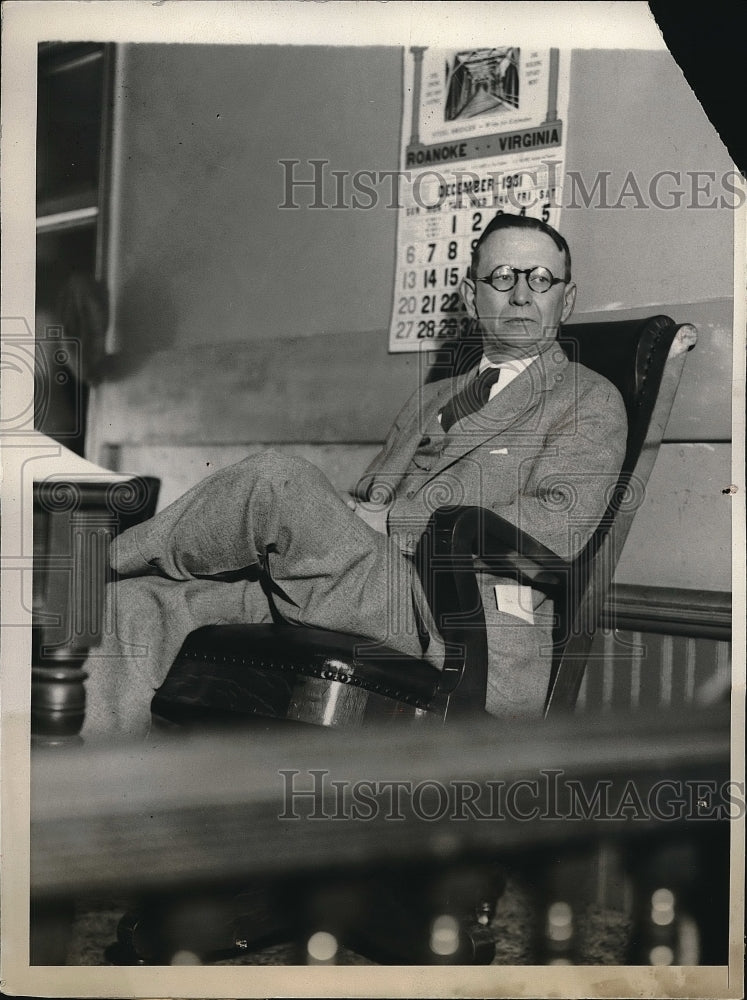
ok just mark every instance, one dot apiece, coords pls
pixel 602 936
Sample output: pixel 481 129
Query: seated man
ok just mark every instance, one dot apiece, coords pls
pixel 528 434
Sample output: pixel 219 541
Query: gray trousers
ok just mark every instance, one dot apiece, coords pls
pixel 198 563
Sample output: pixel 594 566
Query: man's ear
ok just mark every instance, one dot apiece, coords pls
pixel 569 301
pixel 467 290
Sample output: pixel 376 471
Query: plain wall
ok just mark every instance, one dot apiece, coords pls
pixel 239 323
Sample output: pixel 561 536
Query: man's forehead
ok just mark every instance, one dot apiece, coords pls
pixel 527 243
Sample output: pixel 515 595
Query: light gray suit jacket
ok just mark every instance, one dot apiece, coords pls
pixel 544 454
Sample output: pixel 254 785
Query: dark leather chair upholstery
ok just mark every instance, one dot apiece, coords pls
pixel 327 678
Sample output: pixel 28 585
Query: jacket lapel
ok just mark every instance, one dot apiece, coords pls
pixel 502 411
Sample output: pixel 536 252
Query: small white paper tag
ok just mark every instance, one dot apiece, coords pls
pixel 516 600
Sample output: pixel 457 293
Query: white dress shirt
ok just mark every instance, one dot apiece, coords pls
pixel 509 371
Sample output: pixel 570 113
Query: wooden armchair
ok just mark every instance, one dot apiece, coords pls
pixel 325 678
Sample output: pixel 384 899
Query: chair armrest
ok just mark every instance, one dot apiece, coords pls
pixel 504 548
pixel 445 562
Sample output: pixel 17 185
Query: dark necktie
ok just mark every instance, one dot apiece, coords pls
pixel 471 399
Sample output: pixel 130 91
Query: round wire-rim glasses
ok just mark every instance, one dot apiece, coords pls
pixel 504 277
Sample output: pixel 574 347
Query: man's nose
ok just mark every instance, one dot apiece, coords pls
pixel 521 293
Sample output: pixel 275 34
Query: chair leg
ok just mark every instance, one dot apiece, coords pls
pixel 560 886
pixel 670 924
pixel 427 917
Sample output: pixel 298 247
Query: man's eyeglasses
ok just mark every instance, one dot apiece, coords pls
pixel 504 277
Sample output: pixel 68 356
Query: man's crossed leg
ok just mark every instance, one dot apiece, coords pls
pixel 198 563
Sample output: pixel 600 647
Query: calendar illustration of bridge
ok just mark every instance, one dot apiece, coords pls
pixel 480 81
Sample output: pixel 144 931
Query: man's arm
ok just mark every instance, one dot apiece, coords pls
pixel 568 488
pixel 374 511
pixel 402 421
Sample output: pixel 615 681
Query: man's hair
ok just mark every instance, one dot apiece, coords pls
pixel 505 220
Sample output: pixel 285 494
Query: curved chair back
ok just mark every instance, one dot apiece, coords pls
pixel 643 359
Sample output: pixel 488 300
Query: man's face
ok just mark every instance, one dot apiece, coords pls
pixel 518 323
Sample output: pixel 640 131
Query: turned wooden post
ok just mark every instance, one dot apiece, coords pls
pixel 74 523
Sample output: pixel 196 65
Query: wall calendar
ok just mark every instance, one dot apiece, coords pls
pixel 483 132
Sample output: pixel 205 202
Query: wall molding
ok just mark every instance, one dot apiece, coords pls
pixel 698 614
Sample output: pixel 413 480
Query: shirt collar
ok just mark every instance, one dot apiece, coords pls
pixel 513 365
